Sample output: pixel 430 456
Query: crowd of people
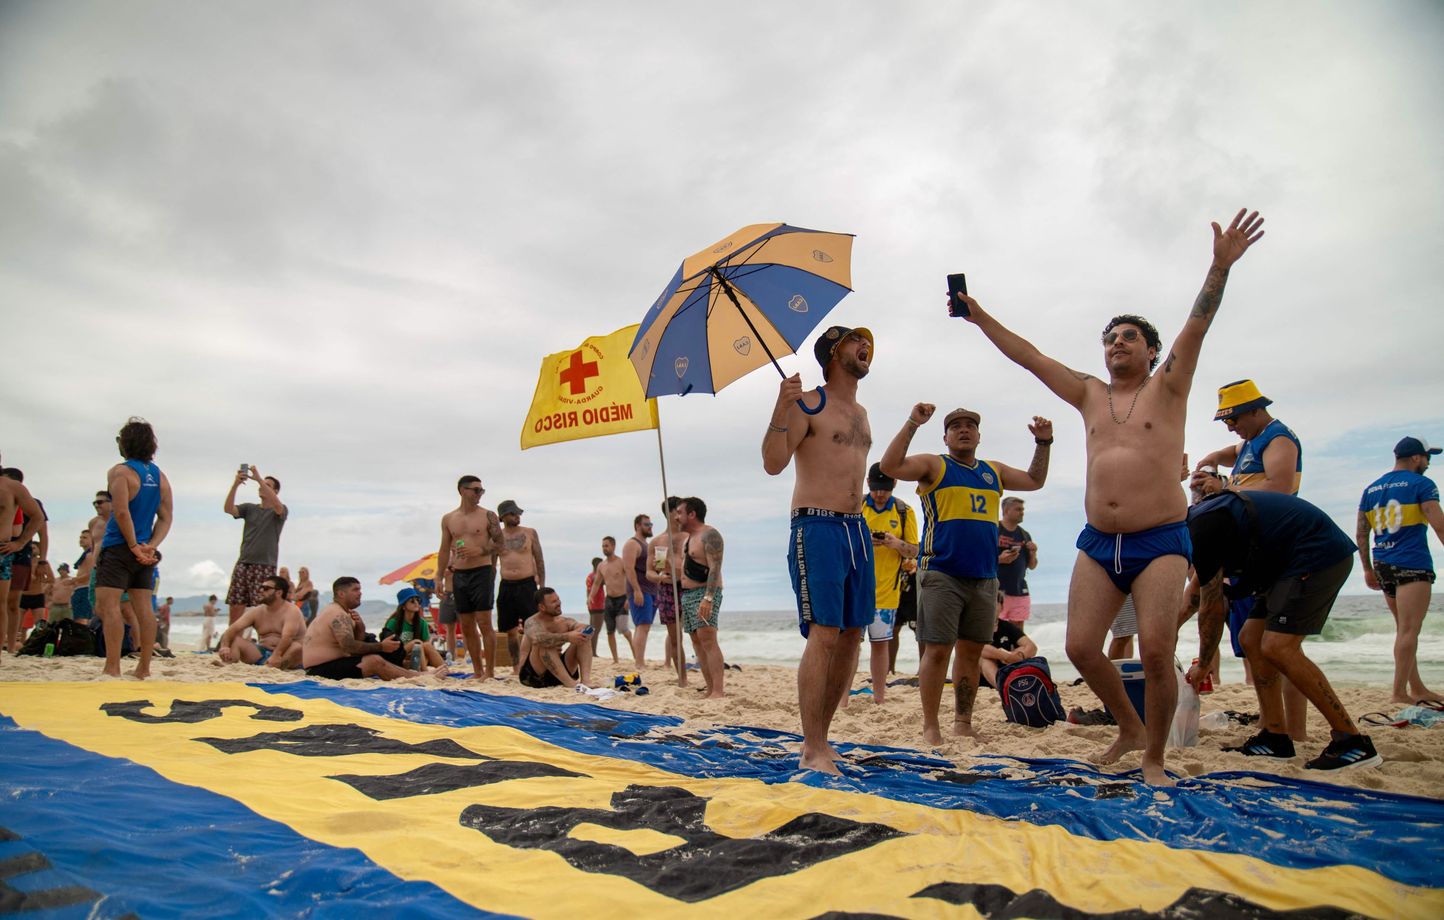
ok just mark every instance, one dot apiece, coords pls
pixel 1243 552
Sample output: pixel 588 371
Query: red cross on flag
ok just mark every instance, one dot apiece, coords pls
pixel 587 392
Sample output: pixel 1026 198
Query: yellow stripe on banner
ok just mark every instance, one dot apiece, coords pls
pixel 423 837
pixel 960 503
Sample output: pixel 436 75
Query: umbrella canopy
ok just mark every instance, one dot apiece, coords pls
pixel 425 567
pixel 738 304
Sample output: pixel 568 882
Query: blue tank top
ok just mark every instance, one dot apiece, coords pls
pixel 143 506
pixel 1248 472
pixel 960 520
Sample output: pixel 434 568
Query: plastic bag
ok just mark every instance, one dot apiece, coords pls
pixel 1184 730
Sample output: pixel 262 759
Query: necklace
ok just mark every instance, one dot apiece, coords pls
pixel 1131 406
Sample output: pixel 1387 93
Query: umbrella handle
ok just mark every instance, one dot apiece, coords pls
pixel 821 403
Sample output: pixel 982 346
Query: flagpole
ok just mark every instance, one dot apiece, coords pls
pixel 681 657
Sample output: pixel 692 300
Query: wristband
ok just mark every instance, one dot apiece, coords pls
pixel 1043 442
pixel 772 427
pixel 709 598
pixel 913 423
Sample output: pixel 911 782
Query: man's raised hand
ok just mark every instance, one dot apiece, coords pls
pixel 790 390
pixel 1230 245
pixel 921 413
pixel 1041 428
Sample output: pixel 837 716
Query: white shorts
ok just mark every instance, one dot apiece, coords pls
pixel 880 629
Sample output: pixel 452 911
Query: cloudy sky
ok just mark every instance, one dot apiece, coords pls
pixel 336 239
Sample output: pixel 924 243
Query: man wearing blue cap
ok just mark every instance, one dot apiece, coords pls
pixel 1400 507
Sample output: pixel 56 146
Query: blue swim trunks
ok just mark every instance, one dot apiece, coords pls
pixel 1125 555
pixel 644 613
pixel 265 655
pixel 6 566
pixel 830 561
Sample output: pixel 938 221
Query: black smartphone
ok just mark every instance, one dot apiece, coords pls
pixel 878 536
pixel 957 284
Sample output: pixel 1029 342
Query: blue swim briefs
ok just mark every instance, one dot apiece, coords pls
pixel 1124 556
pixel 830 561
pixel 266 654
pixel 644 613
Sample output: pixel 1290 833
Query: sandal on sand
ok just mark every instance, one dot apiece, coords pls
pixel 1436 705
pixel 1384 719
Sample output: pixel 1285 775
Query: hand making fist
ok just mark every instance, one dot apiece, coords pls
pixel 921 413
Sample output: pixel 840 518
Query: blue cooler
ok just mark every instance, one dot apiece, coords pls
pixel 1133 683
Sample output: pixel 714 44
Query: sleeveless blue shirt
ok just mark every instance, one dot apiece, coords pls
pixel 960 520
pixel 143 506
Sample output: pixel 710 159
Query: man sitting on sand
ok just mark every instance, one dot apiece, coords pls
pixel 279 627
pixel 1010 645
pixel 557 650
pixel 335 646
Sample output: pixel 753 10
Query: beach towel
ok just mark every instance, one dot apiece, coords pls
pixel 314 799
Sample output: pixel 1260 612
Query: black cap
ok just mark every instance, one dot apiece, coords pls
pixel 877 479
pixel 822 349
pixel 508 507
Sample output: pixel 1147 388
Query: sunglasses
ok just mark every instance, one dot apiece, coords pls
pixel 99 503
pixel 1128 335
pixel 477 489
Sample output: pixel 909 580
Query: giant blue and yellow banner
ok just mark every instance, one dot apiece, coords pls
pixel 186 800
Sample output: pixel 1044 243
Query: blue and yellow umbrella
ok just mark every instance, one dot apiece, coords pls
pixel 738 304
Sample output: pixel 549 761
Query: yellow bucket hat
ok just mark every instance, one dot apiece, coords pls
pixel 1234 399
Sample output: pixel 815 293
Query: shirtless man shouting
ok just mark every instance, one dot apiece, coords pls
pixel 279 630
pixel 470 543
pixel 522 570
pixel 830 556
pixel 1136 539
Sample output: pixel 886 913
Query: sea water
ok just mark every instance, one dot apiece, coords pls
pixel 1356 646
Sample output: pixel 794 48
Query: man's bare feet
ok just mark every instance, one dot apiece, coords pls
pixel 820 763
pixel 715 696
pixel 964 729
pixel 111 672
pixel 932 736
pixel 1154 774
pixel 138 674
pixel 877 699
pixel 1123 745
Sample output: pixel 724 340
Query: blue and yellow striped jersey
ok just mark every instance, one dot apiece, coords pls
pixel 1393 505
pixel 960 520
pixel 1248 470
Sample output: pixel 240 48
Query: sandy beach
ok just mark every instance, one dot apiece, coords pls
pixel 765 696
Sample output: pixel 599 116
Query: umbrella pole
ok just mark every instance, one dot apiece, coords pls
pixel 681 657
pixel 757 335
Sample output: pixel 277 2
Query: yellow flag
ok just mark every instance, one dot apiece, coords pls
pixel 587 392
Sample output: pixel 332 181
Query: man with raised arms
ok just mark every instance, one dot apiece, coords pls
pixel 1135 540
pixel 958 573
pixel 279 630
pixel 830 551
pixel 522 569
pixel 470 543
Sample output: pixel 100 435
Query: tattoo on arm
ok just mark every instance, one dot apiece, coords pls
pixel 540 636
pixel 1208 299
pixel 712 546
pixel 1168 364
pixel 1361 539
pixel 1212 608
pixel 1038 469
pixel 345 635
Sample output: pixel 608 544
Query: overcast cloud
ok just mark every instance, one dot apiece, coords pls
pixel 336 239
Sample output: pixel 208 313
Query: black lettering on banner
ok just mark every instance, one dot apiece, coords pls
pixel 436 778
pixel 189 711
pixel 14 900
pixel 706 865
pixel 337 741
pixel 998 902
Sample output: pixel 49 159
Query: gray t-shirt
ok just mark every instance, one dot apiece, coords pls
pixel 261 540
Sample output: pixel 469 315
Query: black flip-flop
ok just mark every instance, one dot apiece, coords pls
pixel 1384 719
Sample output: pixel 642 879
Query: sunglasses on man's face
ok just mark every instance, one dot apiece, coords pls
pixel 98 504
pixel 477 489
pixel 1128 335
